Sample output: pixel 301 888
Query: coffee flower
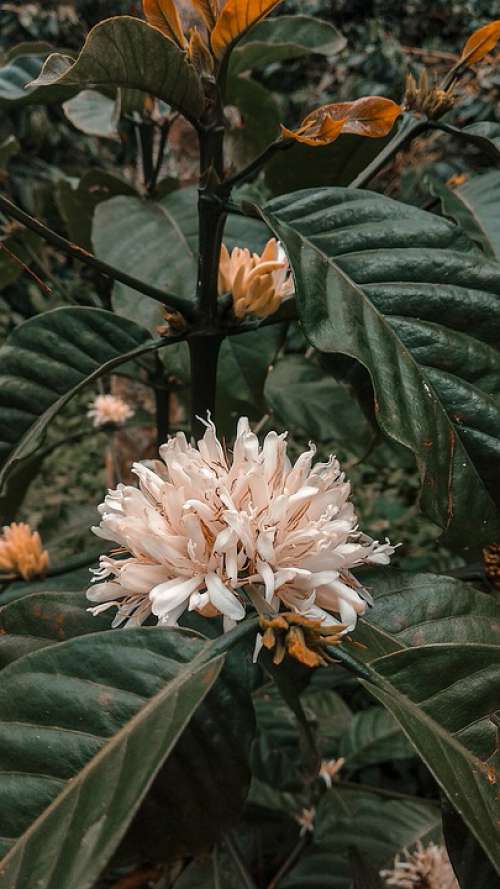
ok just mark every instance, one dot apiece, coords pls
pixel 107 409
pixel 258 284
pixel 426 868
pixel 205 526
pixel 21 552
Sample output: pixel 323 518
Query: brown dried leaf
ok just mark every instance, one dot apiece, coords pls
pixel 371 116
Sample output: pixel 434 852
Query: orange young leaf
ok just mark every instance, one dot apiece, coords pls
pixel 208 11
pixel 236 17
pixel 371 116
pixel 480 43
pixel 163 14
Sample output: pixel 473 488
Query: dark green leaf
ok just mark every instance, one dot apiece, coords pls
pixel 244 363
pixel 377 827
pixel 484 135
pixel 470 864
pixel 403 292
pixel 306 166
pixel 205 781
pixel 260 120
pixel 474 206
pixel 373 737
pixel 443 697
pixel 306 400
pixel 49 358
pixel 82 747
pixel 155 241
pixel 285 37
pixel 126 52
pixel 76 204
pixel 415 609
pixel 43 619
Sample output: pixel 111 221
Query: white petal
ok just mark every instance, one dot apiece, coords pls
pixel 170 595
pixel 223 599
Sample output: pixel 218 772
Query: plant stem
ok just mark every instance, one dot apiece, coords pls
pixel 204 353
pixel 410 128
pixel 10 209
pixel 233 849
pixel 289 861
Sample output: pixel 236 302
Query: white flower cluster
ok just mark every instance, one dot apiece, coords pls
pixel 203 525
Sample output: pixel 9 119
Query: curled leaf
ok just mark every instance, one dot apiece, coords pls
pixel 371 116
pixel 236 17
pixel 163 14
pixel 480 43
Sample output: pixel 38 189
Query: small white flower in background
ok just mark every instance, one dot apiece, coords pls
pixel 426 868
pixel 330 768
pixel 306 820
pixel 203 525
pixel 22 552
pixel 259 284
pixel 109 409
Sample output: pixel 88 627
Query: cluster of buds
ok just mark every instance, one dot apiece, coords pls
pixel 258 283
pixel 427 97
pixel 21 552
pixel 300 637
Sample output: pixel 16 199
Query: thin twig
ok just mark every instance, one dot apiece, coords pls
pixel 184 306
pixel 237 857
pixel 289 861
pixel 251 171
pixel 25 268
pixel 429 53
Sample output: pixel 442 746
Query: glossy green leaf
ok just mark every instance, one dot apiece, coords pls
pixel 404 293
pixel 49 358
pixel 443 697
pixel 416 609
pixel 128 53
pixel 42 619
pixel 93 114
pixel 283 38
pixel 81 749
pixel 378 827
pixel 373 737
pixel 306 400
pixel 474 206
